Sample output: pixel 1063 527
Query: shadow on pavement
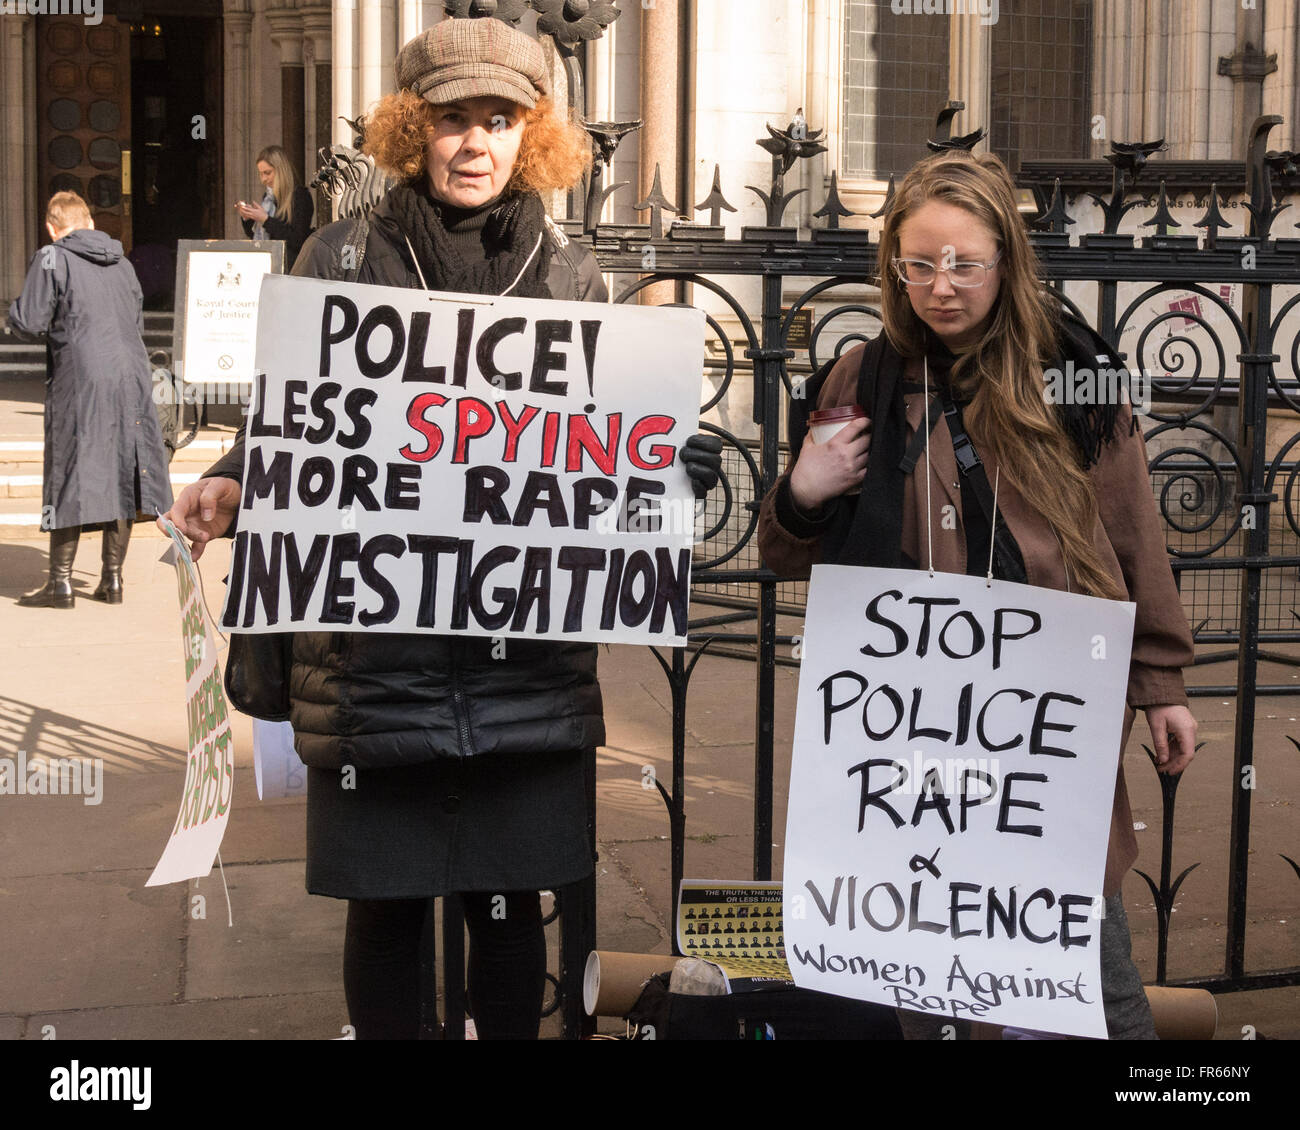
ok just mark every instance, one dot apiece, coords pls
pixel 50 734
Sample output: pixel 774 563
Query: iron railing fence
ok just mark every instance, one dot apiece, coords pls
pixel 1222 434
pixel 1223 470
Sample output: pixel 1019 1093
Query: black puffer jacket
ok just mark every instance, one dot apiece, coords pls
pixel 375 700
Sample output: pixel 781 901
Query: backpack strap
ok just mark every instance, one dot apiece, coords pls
pixel 867 528
pixel 1009 562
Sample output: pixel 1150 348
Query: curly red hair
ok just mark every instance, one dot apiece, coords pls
pixel 553 154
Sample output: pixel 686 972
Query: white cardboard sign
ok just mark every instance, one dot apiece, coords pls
pixel 210 767
pixel 954 765
pixel 464 464
pixel 221 315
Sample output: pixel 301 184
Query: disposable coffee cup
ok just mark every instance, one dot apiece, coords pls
pixel 827 422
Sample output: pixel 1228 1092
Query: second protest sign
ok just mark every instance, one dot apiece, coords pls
pixel 500 467
pixel 955 753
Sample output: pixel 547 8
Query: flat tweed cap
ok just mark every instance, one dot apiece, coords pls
pixel 471 58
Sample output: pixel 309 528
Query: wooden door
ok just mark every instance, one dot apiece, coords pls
pixel 84 115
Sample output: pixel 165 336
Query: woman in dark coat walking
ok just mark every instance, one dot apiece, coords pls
pixel 471 769
pixel 286 208
pixel 104 454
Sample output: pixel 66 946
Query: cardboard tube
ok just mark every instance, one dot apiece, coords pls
pixel 1183 1014
pixel 612 981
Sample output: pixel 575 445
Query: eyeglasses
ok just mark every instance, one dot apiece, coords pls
pixel 921 272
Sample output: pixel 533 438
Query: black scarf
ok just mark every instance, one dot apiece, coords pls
pixel 867 528
pixel 514 237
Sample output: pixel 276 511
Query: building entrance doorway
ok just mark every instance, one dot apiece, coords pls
pixel 130 114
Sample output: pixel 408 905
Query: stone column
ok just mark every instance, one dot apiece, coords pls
pixel 410 20
pixel 343 53
pixel 970 73
pixel 20 213
pixel 377 48
pixel 824 76
pixel 1124 51
pixel 660 71
pixel 1282 95
pixel 1154 51
pixel 317 44
pixel 237 27
pixel 660 93
pixel 1105 61
pixel 1247 67
pixel 286 33
pixel 1191 89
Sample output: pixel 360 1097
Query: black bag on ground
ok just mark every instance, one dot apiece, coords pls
pixel 781 1013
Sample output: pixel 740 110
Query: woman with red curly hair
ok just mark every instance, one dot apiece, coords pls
pixel 473 768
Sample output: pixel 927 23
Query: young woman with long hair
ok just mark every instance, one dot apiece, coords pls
pixel 964 311
pixel 285 211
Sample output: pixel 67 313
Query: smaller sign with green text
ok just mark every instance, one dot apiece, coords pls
pixel 210 767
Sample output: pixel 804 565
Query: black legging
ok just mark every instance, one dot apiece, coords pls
pixel 382 977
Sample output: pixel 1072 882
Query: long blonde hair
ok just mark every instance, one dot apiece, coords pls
pixel 1002 373
pixel 283 180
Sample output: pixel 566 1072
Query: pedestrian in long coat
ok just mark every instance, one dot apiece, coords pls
pixel 104 455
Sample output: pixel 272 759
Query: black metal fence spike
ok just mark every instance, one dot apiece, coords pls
pixel 596 203
pixel 786 146
pixel 507 11
pixel 570 22
pixel 1132 155
pixel 789 145
pixel 1126 159
pixel 1212 220
pixel 943 120
pixel 607 136
pixel 780 258
pixel 657 202
pixel 1114 209
pixel 943 139
pixel 967 142
pixel 1280 165
pixel 775 202
pixel 1258 179
pixel 715 202
pixel 605 140
pixel 889 199
pixel 1162 218
pixel 833 209
pixel 1056 217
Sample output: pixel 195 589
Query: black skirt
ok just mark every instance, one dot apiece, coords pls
pixel 505 822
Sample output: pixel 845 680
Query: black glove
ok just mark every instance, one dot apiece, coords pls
pixel 701 455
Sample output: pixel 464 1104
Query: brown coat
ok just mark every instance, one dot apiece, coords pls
pixel 1128 539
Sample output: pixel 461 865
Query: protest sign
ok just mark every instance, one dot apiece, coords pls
pixel 954 764
pixel 466 464
pixel 210 767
